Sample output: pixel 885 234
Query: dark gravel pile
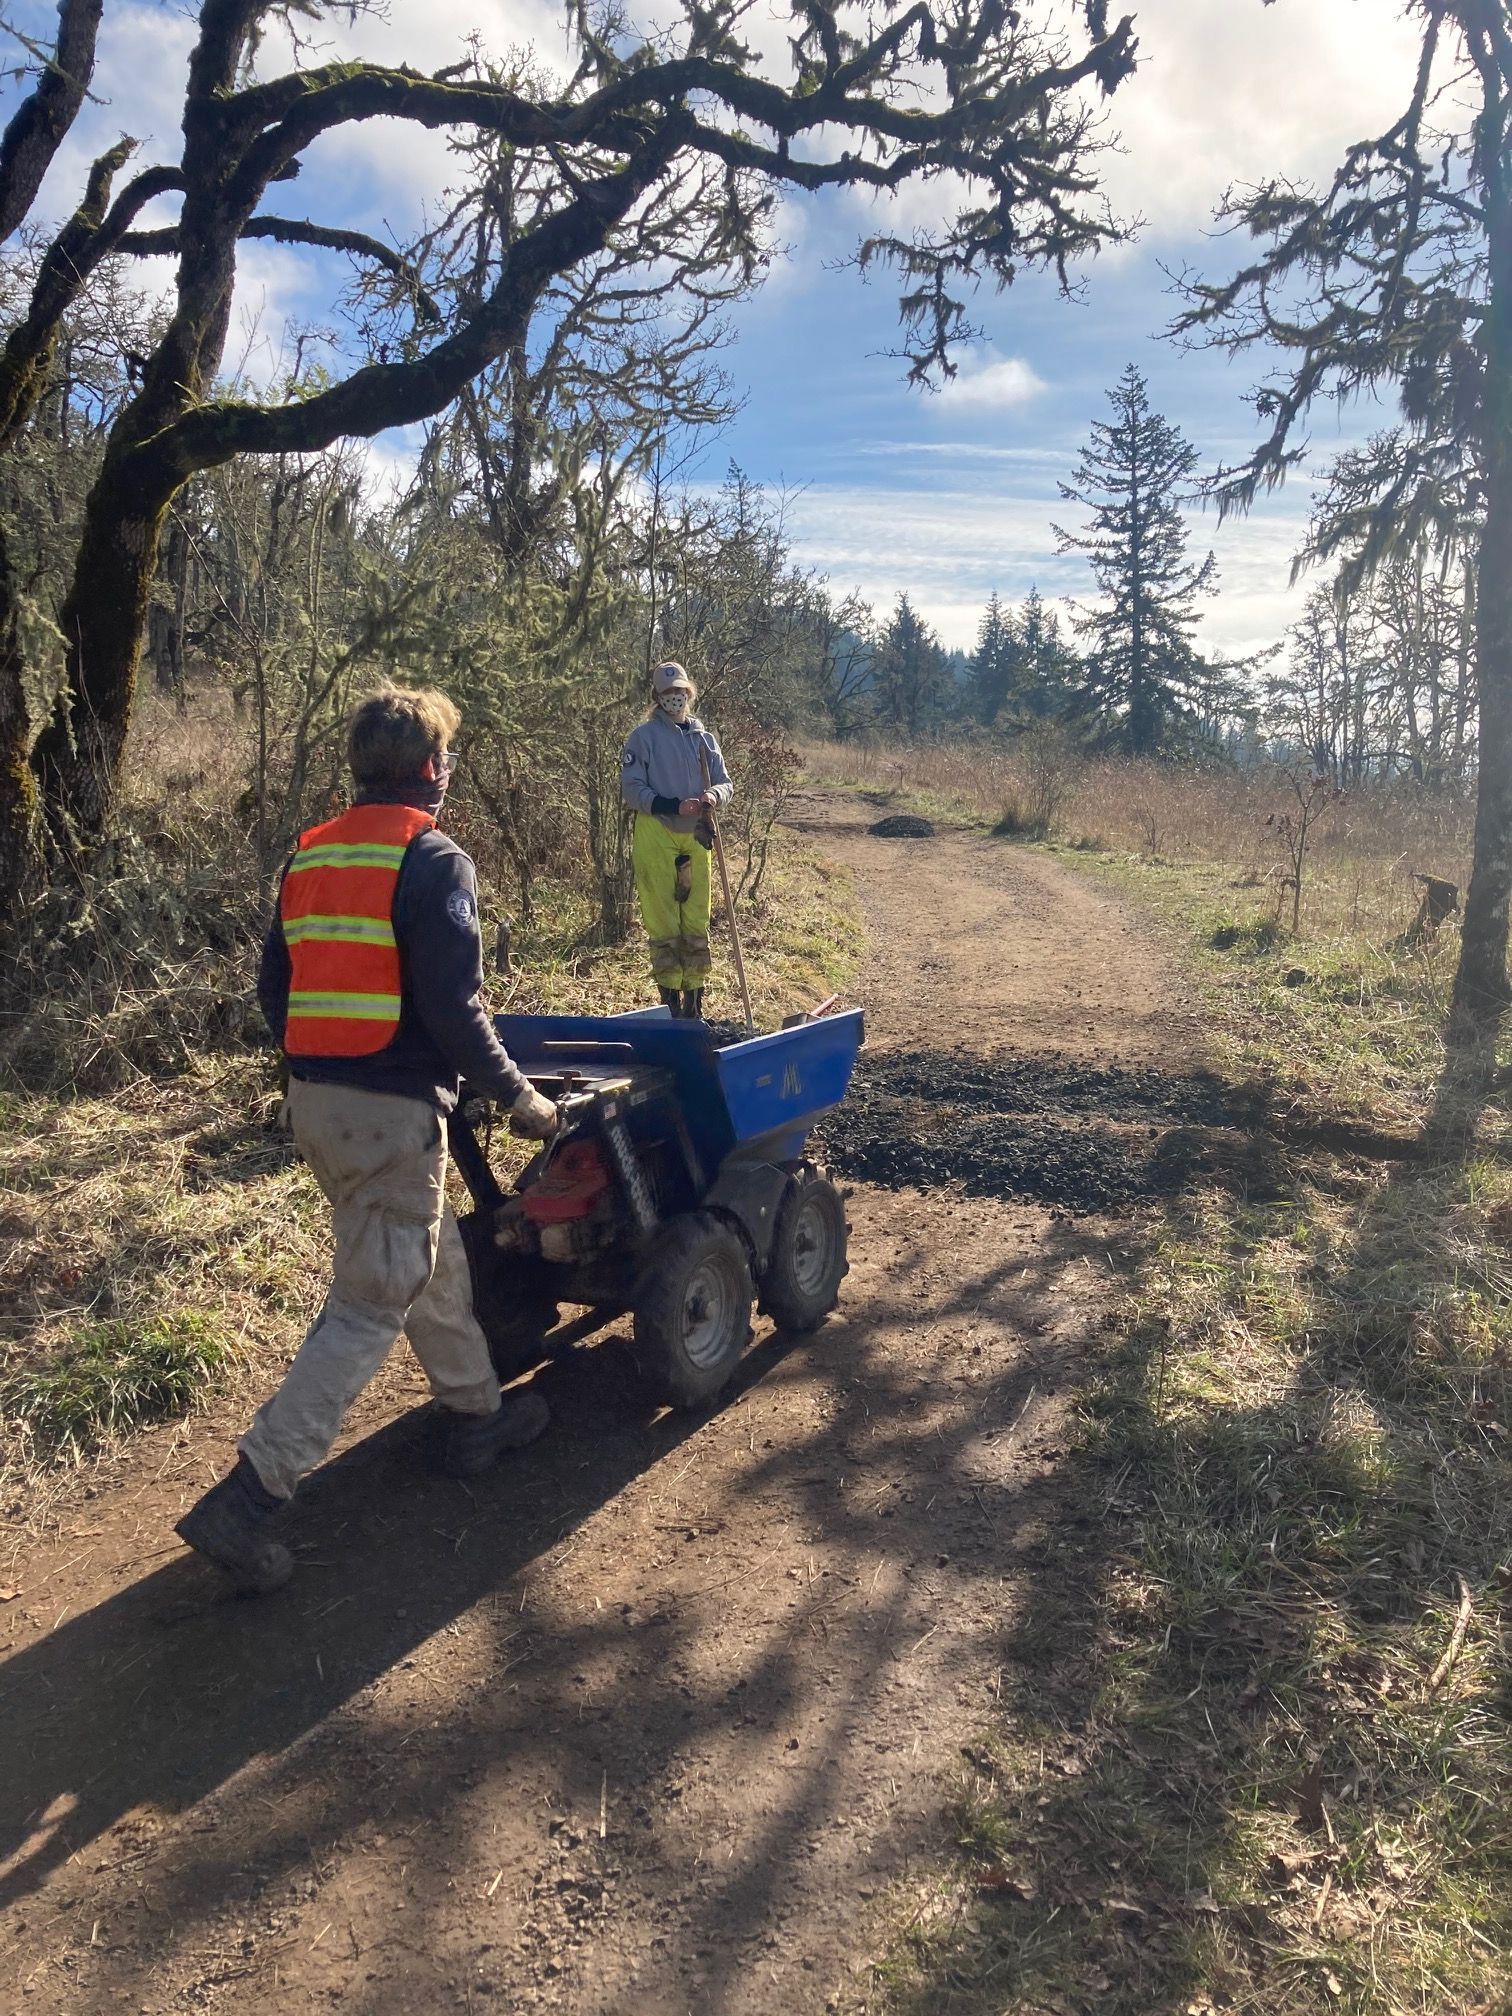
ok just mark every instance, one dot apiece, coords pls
pixel 1083 1137
pixel 726 1033
pixel 902 826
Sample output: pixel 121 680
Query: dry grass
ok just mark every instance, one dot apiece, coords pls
pixel 150 1244
pixel 1255 1749
pixel 1358 881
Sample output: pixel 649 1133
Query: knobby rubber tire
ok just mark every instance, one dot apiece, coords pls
pixel 694 1242
pixel 792 1302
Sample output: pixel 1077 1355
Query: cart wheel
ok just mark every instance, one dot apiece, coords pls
pixel 693 1311
pixel 808 1261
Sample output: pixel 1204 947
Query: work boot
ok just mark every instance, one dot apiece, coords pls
pixel 692 1007
pixel 671 1000
pixel 227 1527
pixel 474 1441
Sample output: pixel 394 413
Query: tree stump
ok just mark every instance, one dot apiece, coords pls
pixel 1440 902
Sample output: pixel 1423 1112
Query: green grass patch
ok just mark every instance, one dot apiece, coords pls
pixel 1246 935
pixel 114 1375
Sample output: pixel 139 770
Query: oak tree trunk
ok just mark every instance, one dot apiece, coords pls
pixel 77 757
pixel 21 876
pixel 1480 984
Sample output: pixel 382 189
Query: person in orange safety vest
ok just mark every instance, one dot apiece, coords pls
pixel 371 976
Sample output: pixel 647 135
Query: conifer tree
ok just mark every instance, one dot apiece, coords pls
pixel 1130 478
pixel 912 672
pixel 1047 674
pixel 991 665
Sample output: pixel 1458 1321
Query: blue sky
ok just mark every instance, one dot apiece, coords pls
pixel 948 496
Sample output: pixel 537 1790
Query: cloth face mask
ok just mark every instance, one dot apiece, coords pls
pixel 676 705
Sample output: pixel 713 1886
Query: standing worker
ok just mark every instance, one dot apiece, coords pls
pixel 662 780
pixel 370 979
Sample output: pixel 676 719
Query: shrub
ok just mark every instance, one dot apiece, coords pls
pixel 1017 820
pixel 1249 935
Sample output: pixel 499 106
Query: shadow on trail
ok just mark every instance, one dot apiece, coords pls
pixel 159 1695
pixel 1225 1772
pixel 160 1699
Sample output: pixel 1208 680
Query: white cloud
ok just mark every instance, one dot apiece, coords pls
pixel 271 292
pixel 950 547
pixel 390 460
pixel 1230 90
pixel 985 382
pixel 1047 456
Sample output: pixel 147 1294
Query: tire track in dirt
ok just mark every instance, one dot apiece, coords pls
pixel 645 1722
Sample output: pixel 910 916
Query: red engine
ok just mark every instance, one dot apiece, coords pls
pixel 570 1209
pixel 572 1187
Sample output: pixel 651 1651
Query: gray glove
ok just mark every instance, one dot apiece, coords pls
pixel 532 1116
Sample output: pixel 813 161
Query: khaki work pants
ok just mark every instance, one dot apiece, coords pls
pixel 400 1265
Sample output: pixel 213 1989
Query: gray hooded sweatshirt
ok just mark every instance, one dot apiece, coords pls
pixel 659 768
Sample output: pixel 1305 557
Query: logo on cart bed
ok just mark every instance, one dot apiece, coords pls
pixel 792 1084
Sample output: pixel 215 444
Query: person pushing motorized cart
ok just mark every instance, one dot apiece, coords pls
pixel 371 980
pixel 673 777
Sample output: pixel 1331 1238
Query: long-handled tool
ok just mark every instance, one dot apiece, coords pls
pixel 724 880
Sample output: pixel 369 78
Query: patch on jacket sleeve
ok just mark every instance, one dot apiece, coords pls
pixel 461 909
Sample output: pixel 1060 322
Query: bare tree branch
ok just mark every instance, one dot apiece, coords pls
pixel 41 122
pixel 299 231
pixel 89 236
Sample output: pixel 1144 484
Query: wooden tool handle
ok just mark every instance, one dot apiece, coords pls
pixel 724 880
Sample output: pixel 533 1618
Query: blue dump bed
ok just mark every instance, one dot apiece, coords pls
pixel 758 1098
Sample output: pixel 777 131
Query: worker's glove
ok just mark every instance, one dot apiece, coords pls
pixel 703 833
pixel 532 1116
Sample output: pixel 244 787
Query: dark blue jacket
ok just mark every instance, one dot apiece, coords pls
pixel 443 1032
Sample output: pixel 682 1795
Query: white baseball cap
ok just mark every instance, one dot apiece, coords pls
pixel 666 677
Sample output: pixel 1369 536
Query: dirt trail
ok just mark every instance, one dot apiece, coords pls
pixel 642 1723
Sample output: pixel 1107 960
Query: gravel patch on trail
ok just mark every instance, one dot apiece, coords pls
pixel 1082 1137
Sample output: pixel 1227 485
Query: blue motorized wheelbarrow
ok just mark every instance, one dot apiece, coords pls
pixel 676 1191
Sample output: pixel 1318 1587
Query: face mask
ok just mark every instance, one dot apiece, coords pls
pixel 433 789
pixel 675 704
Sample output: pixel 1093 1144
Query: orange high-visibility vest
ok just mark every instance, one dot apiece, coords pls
pixel 337 911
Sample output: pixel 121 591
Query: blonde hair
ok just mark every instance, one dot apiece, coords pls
pixel 394 732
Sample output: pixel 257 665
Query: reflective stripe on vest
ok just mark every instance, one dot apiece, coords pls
pixel 337 911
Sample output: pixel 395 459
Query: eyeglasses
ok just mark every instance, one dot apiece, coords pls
pixel 445 763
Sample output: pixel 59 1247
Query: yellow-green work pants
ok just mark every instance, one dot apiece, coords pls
pixel 678 929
